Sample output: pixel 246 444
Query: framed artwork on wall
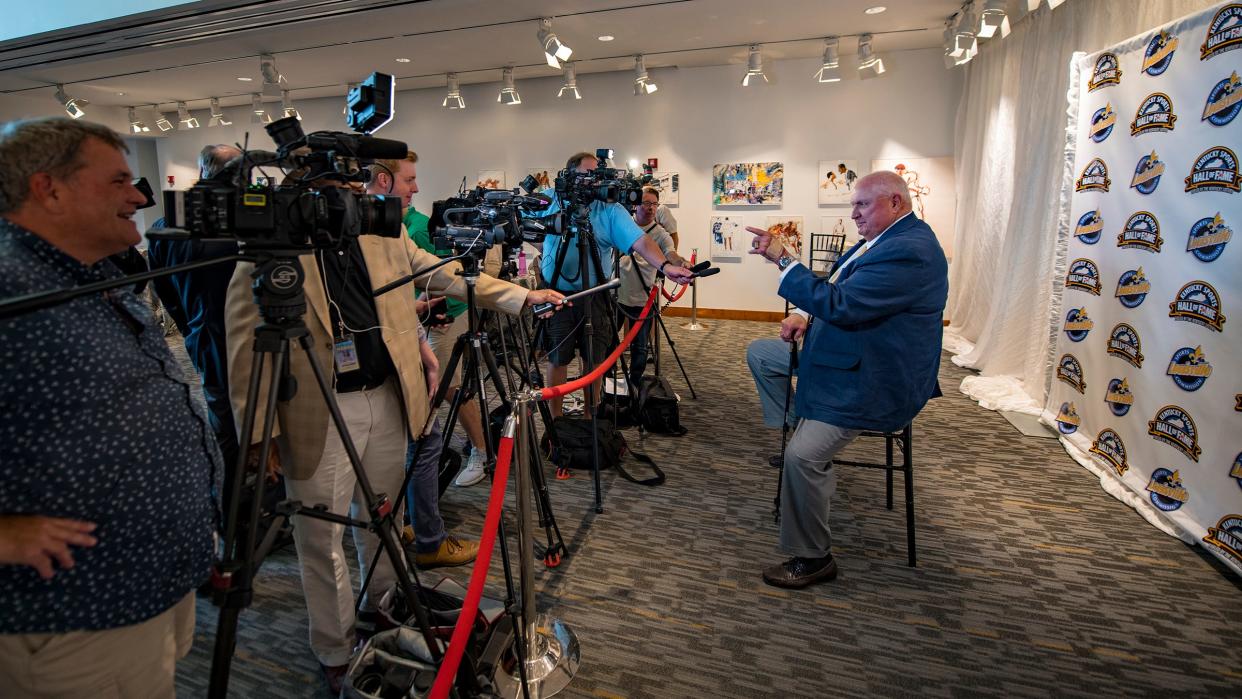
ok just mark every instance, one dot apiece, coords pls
pixel 836 181
pixel 933 192
pixel 491 179
pixel 545 176
pixel 670 187
pixel 790 231
pixel 726 238
pixel 748 184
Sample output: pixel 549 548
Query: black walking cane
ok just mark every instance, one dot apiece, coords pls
pixel 780 475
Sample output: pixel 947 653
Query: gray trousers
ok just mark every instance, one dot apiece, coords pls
pixel 768 359
pixel 807 487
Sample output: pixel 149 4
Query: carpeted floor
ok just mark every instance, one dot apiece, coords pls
pixel 1031 580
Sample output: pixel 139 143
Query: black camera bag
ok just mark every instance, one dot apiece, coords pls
pixel 573 450
pixel 657 407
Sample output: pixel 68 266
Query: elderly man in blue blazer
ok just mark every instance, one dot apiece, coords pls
pixel 869 362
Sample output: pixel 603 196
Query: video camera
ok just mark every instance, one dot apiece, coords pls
pixel 604 183
pixel 480 218
pixel 311 211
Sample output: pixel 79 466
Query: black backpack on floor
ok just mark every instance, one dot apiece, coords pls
pixel 657 407
pixel 574 448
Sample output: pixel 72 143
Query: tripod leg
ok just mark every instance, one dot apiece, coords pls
pixel 673 346
pixel 378 506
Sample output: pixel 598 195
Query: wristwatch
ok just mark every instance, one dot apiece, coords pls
pixel 662 264
pixel 783 262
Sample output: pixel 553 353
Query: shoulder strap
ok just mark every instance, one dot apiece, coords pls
pixel 655 480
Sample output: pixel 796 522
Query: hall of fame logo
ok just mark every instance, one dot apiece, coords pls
pixel 1132 288
pixel 1208 237
pixel 1224 32
pixel 1109 447
pixel 1147 173
pixel 1154 114
pixel 1124 342
pixel 1142 231
pixel 1067 419
pixel 1083 274
pixel 1198 303
pixel 1226 537
pixel 1094 177
pixel 1167 491
pixel 1106 72
pixel 1089 227
pixel 1077 324
pixel 1215 170
pixel 1159 53
pixel 1235 471
pixel 1189 368
pixel 1069 370
pixel 1118 397
pixel 1224 101
pixel 1102 123
pixel 1174 426
pixel 1237 402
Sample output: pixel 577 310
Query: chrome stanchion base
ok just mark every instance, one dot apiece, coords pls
pixel 694 326
pixel 549 669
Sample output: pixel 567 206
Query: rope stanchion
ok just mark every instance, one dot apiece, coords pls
pixel 447 673
pixel 598 372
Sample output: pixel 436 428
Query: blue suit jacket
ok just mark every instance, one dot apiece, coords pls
pixel 871 356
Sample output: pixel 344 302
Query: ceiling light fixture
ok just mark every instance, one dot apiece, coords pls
pixel 554 50
pixel 643 85
pixel 163 123
pixel 73 105
pixel 874 10
pixel 245 79
pixel 950 32
pixel 217 115
pixel 508 93
pixel 965 45
pixel 754 66
pixel 403 60
pixel 453 99
pixel 135 124
pixel 570 86
pixel 260 115
pixel 273 80
pixel 993 19
pixel 605 37
pixel 869 64
pixel 830 71
pixel 287 105
pixel 183 115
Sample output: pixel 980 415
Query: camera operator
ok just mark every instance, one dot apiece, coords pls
pixel 107 461
pixel 634 288
pixel 442 336
pixel 374 346
pixel 613 230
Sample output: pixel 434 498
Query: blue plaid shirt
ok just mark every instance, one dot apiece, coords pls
pixel 99 423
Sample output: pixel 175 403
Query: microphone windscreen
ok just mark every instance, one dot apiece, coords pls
pixel 708 272
pixel 370 147
pixel 701 266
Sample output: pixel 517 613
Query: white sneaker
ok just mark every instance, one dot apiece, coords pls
pixel 472 472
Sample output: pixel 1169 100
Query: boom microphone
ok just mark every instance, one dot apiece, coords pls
pixel 364 147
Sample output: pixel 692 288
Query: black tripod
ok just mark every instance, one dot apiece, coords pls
pixel 279 295
pixel 657 312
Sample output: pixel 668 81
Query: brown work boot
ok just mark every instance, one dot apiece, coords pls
pixel 452 552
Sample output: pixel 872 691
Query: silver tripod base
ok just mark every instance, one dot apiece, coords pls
pixel 548 670
pixel 694 325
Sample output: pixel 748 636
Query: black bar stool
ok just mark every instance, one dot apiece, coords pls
pixel 902 437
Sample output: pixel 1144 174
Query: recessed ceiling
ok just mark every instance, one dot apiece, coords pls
pixel 200 50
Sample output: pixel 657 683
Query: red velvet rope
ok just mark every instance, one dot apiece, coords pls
pixel 469 609
pixel 681 292
pixel 570 387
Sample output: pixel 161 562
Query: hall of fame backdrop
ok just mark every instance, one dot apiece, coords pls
pixel 1148 382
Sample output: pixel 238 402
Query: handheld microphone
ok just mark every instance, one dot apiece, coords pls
pixel 701 266
pixel 707 272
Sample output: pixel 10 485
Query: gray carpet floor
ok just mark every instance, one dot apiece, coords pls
pixel 1031 580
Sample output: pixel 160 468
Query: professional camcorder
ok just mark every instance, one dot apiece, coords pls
pixel 480 218
pixel 314 209
pixel 604 183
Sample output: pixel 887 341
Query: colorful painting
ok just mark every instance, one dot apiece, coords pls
pixel 670 187
pixel 727 235
pixel 836 181
pixel 546 176
pixel 748 184
pixel 491 179
pixel 933 192
pixel 789 229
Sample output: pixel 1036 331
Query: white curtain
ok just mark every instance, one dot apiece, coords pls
pixel 1011 153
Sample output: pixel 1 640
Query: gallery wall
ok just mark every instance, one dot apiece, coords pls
pixel 699 117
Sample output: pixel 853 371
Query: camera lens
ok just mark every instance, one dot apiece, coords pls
pixel 369 682
pixel 380 215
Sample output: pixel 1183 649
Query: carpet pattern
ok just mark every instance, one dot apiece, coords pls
pixel 1031 580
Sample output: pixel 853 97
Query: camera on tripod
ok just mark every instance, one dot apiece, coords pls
pixel 479 219
pixel 604 184
pixel 311 211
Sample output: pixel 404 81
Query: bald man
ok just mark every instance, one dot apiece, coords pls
pixel 869 361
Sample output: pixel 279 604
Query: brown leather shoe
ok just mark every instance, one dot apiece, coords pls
pixel 452 552
pixel 334 675
pixel 798 572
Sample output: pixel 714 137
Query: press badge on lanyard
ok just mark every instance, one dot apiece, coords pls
pixel 346 354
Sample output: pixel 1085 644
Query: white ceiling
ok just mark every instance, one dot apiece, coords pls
pixel 197 51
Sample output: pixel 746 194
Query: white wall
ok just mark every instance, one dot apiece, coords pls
pixel 699 117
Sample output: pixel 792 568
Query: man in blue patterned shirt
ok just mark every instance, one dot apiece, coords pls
pixel 107 460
